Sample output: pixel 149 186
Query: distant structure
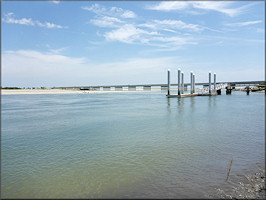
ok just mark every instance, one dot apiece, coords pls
pixel 180 86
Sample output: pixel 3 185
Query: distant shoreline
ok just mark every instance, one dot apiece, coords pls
pixel 75 91
pixel 64 91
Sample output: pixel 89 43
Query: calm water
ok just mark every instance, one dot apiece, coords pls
pixel 128 145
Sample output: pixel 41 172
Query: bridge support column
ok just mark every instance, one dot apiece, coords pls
pixel 118 88
pixel 210 78
pixel 132 88
pixel 164 87
pixel 168 83
pixel 146 87
pixel 178 81
pixel 191 82
pixel 96 88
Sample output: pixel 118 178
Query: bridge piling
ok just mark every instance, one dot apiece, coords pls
pixel 132 88
pixel 118 88
pixel 147 87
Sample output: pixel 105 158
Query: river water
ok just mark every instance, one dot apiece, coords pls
pixel 129 145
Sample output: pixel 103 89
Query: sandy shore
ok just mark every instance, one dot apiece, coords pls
pixel 61 91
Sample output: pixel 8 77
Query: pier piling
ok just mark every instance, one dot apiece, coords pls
pixel 194 83
pixel 210 82
pixel 179 87
pixel 182 82
pixel 228 89
pixel 168 82
pixel 247 90
pixel 191 82
pixel 214 82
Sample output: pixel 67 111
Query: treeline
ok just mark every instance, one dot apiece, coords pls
pixel 18 88
pixel 11 88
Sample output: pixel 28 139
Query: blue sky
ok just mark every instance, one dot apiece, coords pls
pixel 67 43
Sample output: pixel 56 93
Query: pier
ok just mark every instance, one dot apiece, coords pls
pixel 205 91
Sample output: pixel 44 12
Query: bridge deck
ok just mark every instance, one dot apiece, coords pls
pixel 235 83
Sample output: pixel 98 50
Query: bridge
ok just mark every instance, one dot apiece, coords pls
pixel 163 86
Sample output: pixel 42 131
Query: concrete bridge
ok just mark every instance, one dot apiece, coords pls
pixel 163 86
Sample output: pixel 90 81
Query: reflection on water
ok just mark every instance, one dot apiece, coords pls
pixel 137 145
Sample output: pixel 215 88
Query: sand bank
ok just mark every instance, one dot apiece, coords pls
pixel 68 91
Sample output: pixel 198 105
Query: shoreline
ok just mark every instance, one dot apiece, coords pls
pixel 68 91
pixel 74 91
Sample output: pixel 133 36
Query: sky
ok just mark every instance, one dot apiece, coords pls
pixel 89 43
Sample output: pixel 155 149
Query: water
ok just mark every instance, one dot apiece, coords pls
pixel 129 145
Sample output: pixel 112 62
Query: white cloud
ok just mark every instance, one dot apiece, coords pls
pixel 29 68
pixel 9 18
pixel 127 34
pixel 169 6
pixel 244 23
pixel 222 7
pixel 218 6
pixel 131 35
pixel 174 25
pixel 113 11
pixel 128 14
pixel 48 25
pixel 48 57
pixel 95 8
pixel 107 21
pixel 178 24
pixel 33 68
pixel 56 1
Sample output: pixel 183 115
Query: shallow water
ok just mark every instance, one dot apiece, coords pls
pixel 128 145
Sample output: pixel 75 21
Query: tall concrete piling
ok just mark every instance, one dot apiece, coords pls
pixel 182 82
pixel 191 82
pixel 194 83
pixel 132 88
pixel 178 79
pixel 214 82
pixel 210 78
pixel 168 84
pixel 107 88
pixel 164 87
pixel 146 87
pixel 118 88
